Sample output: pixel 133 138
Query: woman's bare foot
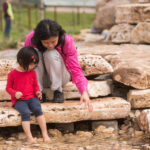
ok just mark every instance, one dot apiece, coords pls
pixel 32 140
pixel 46 139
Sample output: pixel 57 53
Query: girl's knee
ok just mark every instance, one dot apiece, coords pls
pixel 37 112
pixel 25 116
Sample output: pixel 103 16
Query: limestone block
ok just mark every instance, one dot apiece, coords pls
pixel 6 66
pixel 133 13
pixel 139 98
pixel 3 94
pixel 95 89
pixel 136 76
pixel 141 33
pixel 120 33
pixel 94 65
pixel 144 121
pixel 70 111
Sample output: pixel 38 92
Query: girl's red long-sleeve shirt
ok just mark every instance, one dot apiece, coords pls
pixel 24 82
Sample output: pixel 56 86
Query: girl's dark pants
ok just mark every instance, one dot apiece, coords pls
pixel 24 107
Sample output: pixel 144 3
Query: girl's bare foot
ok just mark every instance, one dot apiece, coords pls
pixel 32 140
pixel 46 139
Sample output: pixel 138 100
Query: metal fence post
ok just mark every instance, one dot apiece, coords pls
pixel 1 21
pixel 55 13
pixel 29 18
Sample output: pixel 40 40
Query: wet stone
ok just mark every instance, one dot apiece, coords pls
pixel 54 133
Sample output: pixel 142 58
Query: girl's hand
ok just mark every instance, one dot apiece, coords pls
pixel 85 99
pixel 18 95
pixel 39 94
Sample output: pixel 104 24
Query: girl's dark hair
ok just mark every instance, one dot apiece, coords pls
pixel 26 56
pixel 45 29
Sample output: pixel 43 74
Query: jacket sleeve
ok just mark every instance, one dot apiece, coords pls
pixel 9 85
pixel 28 40
pixel 73 65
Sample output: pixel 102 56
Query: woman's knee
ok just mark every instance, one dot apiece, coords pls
pixel 51 55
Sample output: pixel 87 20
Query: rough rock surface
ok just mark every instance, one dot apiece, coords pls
pixel 120 33
pixel 139 98
pixel 141 33
pixel 6 65
pixel 144 120
pixel 133 13
pixel 70 111
pixel 94 65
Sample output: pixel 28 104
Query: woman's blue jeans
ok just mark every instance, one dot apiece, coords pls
pixel 7 27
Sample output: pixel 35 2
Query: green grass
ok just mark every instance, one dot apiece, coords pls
pixel 21 27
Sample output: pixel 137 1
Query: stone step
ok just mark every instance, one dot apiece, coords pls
pixel 139 98
pixel 91 65
pixel 70 111
pixel 133 13
pixel 95 89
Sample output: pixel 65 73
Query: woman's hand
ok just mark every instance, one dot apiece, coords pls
pixel 18 95
pixel 85 99
pixel 39 94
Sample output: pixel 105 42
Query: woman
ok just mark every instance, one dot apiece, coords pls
pixel 58 56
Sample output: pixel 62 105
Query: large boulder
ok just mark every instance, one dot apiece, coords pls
pixel 94 65
pixel 105 13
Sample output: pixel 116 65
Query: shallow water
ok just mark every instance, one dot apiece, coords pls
pixel 76 142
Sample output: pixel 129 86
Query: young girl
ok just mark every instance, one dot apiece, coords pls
pixel 24 90
pixel 58 56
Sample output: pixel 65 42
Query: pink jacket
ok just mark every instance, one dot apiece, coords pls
pixel 71 61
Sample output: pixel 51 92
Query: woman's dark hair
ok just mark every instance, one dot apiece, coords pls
pixel 45 29
pixel 26 56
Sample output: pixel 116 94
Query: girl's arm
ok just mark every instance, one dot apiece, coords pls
pixel 9 85
pixel 35 85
